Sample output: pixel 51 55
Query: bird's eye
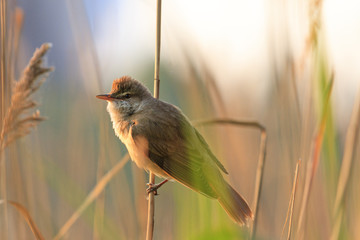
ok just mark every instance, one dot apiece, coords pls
pixel 127 95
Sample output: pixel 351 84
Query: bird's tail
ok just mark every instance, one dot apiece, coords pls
pixel 235 205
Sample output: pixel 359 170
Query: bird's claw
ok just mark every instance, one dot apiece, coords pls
pixel 152 188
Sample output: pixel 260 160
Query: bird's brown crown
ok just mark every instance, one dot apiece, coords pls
pixel 127 84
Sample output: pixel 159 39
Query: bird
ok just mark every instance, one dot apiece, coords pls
pixel 161 139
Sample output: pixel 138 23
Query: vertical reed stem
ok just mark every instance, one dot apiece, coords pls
pixel 3 55
pixel 351 141
pixel 3 191
pixel 292 200
pixel 151 203
pixel 259 181
pixel 157 50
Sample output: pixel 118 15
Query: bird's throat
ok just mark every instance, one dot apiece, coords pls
pixel 119 120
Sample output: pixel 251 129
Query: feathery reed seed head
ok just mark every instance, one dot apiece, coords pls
pixel 14 124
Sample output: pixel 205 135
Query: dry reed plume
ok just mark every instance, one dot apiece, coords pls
pixel 17 122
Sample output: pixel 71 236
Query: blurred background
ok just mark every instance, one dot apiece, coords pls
pixel 267 61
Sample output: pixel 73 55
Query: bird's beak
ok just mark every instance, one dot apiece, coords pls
pixel 105 97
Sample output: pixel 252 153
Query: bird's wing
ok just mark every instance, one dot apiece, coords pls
pixel 206 146
pixel 174 145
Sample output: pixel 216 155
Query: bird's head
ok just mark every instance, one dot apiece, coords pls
pixel 127 96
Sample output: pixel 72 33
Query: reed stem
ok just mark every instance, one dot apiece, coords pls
pixel 151 203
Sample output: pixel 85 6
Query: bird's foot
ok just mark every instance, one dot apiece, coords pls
pixel 154 187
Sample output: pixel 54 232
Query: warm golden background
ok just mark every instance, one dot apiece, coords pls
pixel 265 61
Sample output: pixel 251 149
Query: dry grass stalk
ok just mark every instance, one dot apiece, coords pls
pixel 25 213
pixel 289 214
pixel 314 155
pixel 352 138
pixel 3 70
pixel 337 225
pixel 315 7
pixel 3 54
pixel 14 124
pixel 97 190
pixel 293 198
pixel 259 179
pixel 18 23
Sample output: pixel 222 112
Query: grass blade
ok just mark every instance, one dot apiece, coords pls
pixel 352 137
pixel 25 213
pixel 314 156
pixel 100 186
pixel 289 215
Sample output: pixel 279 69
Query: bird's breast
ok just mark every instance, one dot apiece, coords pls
pixel 138 148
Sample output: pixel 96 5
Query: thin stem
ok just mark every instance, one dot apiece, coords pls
pixel 3 55
pixel 314 157
pixel 289 215
pixel 352 138
pixel 293 198
pixel 259 180
pixel 151 203
pixel 151 210
pixel 3 190
pixel 157 50
pixel 92 196
pixel 26 215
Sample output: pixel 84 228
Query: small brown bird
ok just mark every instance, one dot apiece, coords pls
pixel 161 139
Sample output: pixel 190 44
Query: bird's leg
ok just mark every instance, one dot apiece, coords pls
pixel 154 187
